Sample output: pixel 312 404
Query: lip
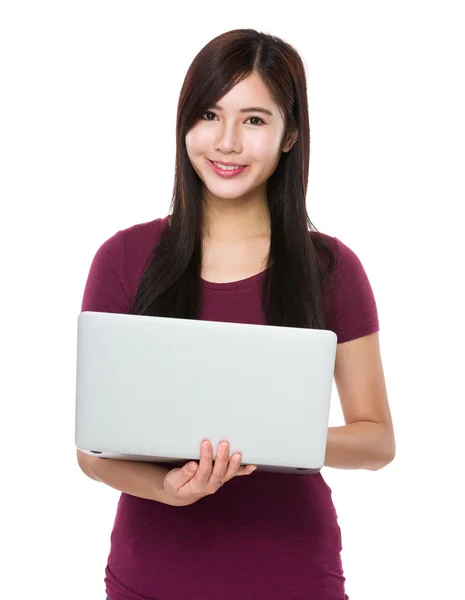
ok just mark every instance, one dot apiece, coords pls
pixel 227 174
pixel 228 164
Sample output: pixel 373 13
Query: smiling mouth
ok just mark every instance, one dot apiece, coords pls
pixel 228 172
pixel 221 164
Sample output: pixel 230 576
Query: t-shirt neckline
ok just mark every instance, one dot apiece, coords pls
pixel 234 285
pixel 230 285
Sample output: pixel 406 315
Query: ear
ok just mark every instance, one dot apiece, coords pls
pixel 291 139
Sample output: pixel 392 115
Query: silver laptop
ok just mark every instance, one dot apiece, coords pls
pixel 152 388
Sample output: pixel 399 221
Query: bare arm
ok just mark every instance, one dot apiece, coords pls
pixel 140 479
pixel 175 487
pixel 367 439
pixel 360 445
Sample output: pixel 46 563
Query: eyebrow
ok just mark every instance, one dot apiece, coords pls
pixel 248 109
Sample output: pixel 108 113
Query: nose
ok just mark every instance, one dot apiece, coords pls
pixel 228 140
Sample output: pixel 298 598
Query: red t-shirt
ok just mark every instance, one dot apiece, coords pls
pixel 267 536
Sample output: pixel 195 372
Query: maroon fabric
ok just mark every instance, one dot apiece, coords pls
pixel 268 536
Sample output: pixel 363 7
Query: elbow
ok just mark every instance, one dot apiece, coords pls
pixel 387 456
pixel 84 461
pixel 383 463
pixel 81 458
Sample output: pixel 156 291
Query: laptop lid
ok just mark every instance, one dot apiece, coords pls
pixel 152 388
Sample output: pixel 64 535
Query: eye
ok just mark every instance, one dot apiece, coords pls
pixel 262 122
pixel 207 113
pixel 258 118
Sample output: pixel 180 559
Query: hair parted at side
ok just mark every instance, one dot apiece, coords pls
pixel 292 285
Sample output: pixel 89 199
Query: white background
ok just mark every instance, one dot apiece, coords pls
pixel 88 104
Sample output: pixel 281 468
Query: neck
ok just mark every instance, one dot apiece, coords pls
pixel 235 220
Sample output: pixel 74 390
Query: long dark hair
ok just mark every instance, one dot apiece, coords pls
pixel 297 265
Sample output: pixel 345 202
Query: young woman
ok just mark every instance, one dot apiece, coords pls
pixel 238 246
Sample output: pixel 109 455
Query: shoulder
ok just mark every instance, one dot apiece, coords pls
pixel 118 264
pixel 348 267
pixel 130 245
pixel 345 262
pixel 350 305
pixel 140 235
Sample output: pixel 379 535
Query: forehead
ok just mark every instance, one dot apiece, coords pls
pixel 251 91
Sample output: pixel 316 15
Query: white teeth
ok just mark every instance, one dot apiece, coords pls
pixel 231 168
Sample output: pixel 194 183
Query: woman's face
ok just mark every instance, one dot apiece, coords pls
pixel 251 138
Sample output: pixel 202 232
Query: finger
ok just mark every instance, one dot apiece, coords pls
pixel 179 477
pixel 247 470
pixel 234 466
pixel 205 465
pixel 221 463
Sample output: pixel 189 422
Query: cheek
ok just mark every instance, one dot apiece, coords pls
pixel 197 142
pixel 264 152
pixel 263 148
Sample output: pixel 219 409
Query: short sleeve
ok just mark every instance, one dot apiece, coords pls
pixel 352 310
pixel 105 289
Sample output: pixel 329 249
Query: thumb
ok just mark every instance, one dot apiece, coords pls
pixel 183 475
pixel 190 469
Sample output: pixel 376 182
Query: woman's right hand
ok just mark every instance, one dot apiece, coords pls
pixel 187 485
